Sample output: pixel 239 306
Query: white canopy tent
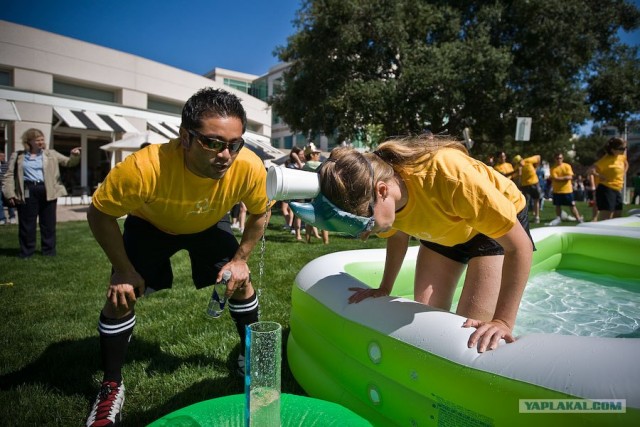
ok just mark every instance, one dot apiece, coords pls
pixel 120 149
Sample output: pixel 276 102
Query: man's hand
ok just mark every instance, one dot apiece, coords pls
pixel 240 276
pixel 122 292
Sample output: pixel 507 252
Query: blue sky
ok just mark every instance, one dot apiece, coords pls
pixel 195 35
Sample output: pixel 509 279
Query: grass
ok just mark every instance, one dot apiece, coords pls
pixel 49 349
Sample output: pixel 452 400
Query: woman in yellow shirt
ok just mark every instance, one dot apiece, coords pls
pixel 462 211
pixel 611 169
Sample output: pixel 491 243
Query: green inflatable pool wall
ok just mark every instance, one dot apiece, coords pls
pixel 337 359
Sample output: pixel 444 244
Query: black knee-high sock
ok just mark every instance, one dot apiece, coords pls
pixel 114 341
pixel 244 312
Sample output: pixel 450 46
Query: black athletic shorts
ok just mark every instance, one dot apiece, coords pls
pixel 150 250
pixel 479 245
pixel 531 191
pixel 608 199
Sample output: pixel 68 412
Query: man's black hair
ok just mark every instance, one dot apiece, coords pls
pixel 210 102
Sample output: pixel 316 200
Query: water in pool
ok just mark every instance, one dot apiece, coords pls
pixel 574 303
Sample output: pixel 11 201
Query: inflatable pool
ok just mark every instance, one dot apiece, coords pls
pixel 398 362
pixel 627 223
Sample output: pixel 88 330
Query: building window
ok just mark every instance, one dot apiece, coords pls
pixel 288 141
pixel 70 89
pixel 276 87
pixel 164 106
pixel 238 85
pixel 254 127
pixel 259 89
pixel 5 78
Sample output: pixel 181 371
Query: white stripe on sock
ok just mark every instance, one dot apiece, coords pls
pixel 116 329
pixel 241 308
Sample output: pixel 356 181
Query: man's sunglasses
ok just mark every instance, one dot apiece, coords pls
pixel 216 144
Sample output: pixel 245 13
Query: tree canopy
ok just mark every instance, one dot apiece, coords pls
pixel 406 65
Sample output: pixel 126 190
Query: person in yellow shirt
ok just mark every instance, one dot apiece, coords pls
pixel 529 181
pixel 561 175
pixel 463 212
pixel 611 170
pixel 503 166
pixel 177 197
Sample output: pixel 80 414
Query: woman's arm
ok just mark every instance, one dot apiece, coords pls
pixel 518 252
pixel 396 250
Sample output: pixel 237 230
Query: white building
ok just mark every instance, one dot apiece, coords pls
pixel 263 87
pixel 81 94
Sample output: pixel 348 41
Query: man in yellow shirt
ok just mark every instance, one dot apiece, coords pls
pixel 611 170
pixel 529 181
pixel 177 197
pixel 561 177
pixel 502 166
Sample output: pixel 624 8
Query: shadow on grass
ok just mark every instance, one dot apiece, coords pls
pixel 9 252
pixel 68 368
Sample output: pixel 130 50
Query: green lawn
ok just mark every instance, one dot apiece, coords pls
pixel 49 353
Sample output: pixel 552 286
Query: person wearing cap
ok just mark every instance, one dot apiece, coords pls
pixel 464 213
pixel 529 181
pixel 312 163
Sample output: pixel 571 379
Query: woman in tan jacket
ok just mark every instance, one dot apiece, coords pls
pixel 32 184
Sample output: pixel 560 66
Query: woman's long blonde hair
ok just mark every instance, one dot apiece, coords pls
pixel 348 177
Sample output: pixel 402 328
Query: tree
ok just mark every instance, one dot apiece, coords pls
pixel 614 86
pixel 446 65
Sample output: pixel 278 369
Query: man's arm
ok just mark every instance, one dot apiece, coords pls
pixel 253 231
pixel 125 279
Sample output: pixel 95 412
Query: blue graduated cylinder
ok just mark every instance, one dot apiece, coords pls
pixel 218 300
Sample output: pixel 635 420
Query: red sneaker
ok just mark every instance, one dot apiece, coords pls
pixel 107 409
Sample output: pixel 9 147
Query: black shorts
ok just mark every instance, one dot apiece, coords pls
pixel 150 250
pixel 531 191
pixel 608 199
pixel 479 245
pixel 563 199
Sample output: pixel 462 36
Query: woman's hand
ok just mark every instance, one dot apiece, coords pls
pixel 76 151
pixel 360 294
pixel 488 334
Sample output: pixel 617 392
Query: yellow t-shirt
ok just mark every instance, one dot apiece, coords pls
pixel 612 168
pixel 505 169
pixel 561 187
pixel 529 175
pixel 454 198
pixel 154 184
